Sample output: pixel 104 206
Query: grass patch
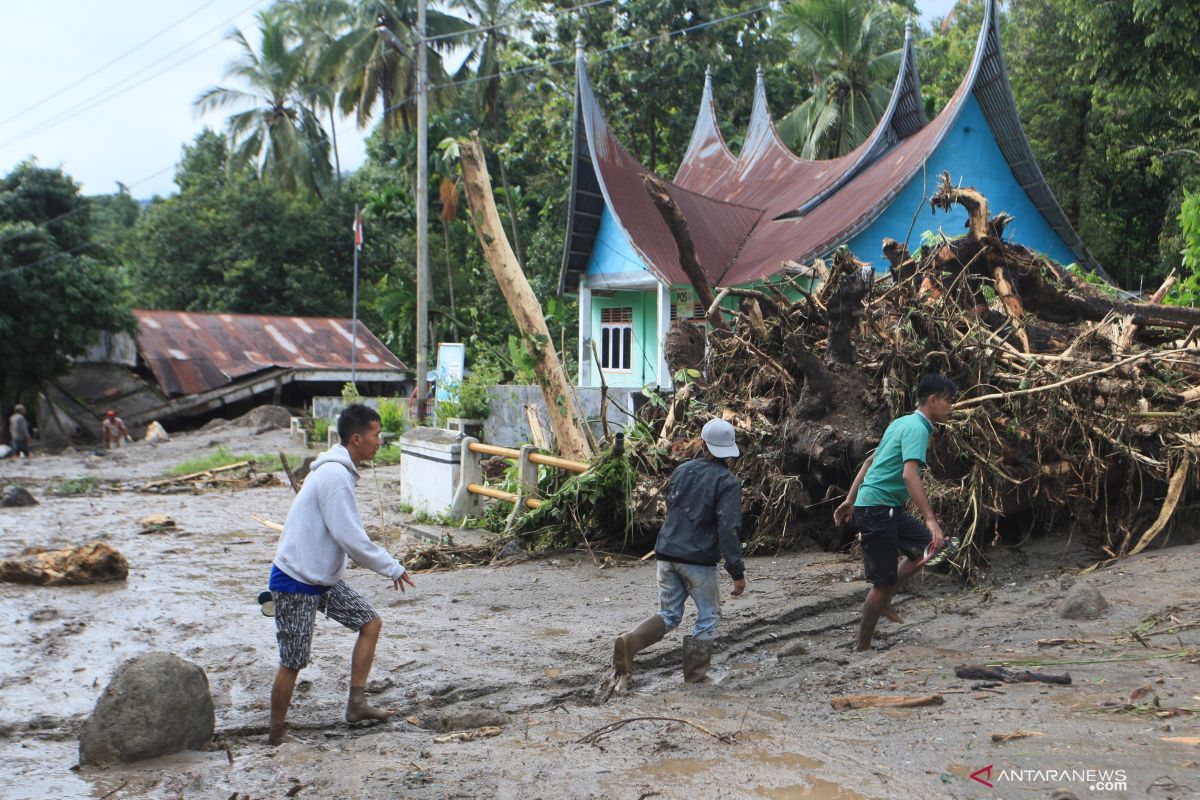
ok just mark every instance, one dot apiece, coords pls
pixel 389 455
pixel 84 484
pixel 264 462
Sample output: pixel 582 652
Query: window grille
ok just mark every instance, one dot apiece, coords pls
pixel 616 338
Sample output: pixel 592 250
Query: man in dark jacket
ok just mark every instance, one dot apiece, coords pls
pixel 704 521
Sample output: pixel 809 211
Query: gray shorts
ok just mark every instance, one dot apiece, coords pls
pixel 296 616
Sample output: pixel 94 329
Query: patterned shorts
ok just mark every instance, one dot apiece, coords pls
pixel 296 616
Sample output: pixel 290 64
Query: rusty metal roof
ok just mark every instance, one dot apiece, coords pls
pixel 191 352
pixel 752 213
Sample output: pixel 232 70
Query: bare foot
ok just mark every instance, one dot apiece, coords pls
pixel 358 709
pixel 277 737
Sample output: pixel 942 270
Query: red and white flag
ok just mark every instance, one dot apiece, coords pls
pixel 358 231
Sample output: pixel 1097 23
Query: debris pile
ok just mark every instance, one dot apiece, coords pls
pixel 95 562
pixel 242 475
pixel 1077 410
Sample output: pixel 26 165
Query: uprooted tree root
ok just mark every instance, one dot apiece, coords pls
pixel 1077 412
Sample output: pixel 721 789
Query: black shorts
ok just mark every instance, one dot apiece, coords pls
pixel 887 533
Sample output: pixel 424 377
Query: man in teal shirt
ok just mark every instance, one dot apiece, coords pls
pixel 878 497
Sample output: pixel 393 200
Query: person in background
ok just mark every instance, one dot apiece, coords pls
pixel 114 431
pixel 18 431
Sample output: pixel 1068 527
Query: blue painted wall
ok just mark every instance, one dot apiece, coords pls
pixel 612 253
pixel 970 154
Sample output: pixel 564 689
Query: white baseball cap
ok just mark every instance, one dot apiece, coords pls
pixel 720 438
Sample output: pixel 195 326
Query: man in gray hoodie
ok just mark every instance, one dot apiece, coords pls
pixel 321 533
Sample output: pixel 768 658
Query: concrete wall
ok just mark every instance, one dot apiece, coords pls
pixel 970 154
pixel 507 424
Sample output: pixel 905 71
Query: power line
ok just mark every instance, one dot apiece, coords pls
pixel 522 21
pixel 99 99
pixel 521 70
pixel 107 64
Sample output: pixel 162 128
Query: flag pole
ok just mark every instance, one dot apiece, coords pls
pixel 354 306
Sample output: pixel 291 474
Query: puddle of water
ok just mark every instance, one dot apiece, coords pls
pixel 813 790
pixel 789 760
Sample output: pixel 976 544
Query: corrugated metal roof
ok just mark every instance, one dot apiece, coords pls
pixel 807 207
pixel 191 352
pixel 717 227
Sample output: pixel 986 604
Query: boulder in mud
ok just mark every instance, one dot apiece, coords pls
pixel 94 562
pixel 156 704
pixel 17 497
pixel 464 719
pixel 1082 602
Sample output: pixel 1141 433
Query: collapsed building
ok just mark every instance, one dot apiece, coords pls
pixel 183 368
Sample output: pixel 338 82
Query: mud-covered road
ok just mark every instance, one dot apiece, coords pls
pixel 526 645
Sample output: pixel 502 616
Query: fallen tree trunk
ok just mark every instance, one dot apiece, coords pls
pixel 688 258
pixel 557 391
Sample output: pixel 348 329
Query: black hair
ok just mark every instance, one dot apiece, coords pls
pixel 356 418
pixel 935 383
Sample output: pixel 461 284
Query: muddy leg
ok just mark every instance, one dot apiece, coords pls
pixel 281 698
pixel 904 570
pixel 877 600
pixel 360 667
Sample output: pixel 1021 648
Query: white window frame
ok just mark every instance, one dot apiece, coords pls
pixel 616 339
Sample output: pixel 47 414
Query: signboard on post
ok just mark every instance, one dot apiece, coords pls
pixel 451 363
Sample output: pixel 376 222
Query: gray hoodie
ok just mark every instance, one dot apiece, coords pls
pixel 323 527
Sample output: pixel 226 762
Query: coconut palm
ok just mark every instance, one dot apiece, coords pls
pixel 321 26
pixel 374 74
pixel 495 19
pixel 842 42
pixel 279 134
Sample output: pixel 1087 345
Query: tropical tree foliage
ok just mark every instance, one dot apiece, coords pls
pixel 56 292
pixel 1106 93
pixel 280 133
pixel 846 43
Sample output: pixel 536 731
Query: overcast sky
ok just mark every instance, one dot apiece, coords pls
pixel 104 90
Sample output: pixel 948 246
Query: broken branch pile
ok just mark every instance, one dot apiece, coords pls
pixel 215 478
pixel 1077 410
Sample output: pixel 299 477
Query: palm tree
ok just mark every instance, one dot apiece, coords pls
pixel 842 41
pixel 495 19
pixel 279 134
pixel 375 74
pixel 321 26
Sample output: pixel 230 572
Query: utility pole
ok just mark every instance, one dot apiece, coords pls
pixel 354 304
pixel 422 200
pixel 422 217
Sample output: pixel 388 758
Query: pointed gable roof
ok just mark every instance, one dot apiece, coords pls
pixel 753 213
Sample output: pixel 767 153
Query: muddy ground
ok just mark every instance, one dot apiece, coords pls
pixel 525 645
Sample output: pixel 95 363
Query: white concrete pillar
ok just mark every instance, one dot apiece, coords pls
pixel 664 325
pixel 585 333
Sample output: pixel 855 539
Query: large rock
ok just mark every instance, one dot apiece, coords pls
pixel 156 704
pixel 17 496
pixel 1082 602
pixel 94 562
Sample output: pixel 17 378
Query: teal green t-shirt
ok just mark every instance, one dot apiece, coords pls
pixel 906 439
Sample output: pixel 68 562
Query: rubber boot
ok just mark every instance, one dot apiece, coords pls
pixel 359 709
pixel 696 655
pixel 648 631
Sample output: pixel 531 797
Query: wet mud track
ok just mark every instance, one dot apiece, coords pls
pixel 528 645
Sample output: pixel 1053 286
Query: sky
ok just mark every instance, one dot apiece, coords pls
pixel 105 90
